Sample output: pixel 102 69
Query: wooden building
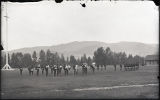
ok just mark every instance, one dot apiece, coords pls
pixel 152 60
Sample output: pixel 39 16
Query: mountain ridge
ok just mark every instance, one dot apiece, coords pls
pixel 78 48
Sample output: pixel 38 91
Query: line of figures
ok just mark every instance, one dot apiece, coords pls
pixel 57 70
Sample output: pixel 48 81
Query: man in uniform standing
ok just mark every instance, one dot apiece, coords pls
pixel 21 69
pixel 114 67
pixel 46 69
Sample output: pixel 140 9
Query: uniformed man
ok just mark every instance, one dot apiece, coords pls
pixel 120 66
pixel 93 66
pixel 42 68
pixel 46 69
pixel 115 67
pixel 32 69
pixel 55 70
pixel 21 69
pixel 38 68
pixel 29 69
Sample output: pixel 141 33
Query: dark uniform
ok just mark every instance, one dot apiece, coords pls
pixel 42 68
pixel 93 68
pixel 115 67
pixel 46 68
pixel 66 70
pixel 120 67
pixel 59 70
pixel 37 71
pixel 55 70
pixel 32 71
pixel 29 69
pixel 98 67
pixel 21 69
pixel 52 68
pixel 84 69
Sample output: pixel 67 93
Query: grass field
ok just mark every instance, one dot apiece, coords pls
pixel 15 86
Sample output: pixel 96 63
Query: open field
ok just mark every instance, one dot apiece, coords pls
pixel 15 86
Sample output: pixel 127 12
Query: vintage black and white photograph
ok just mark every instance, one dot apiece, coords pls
pixel 82 49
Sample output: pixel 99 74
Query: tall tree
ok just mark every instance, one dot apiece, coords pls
pixel 99 56
pixel 130 59
pixel 84 59
pixel 48 57
pixel 79 61
pixel 3 60
pixel 19 57
pixel 67 62
pixel 138 60
pixel 34 55
pixel 62 60
pixel 123 58
pixel 72 60
pixel 9 59
pixel 27 60
pixel 89 61
pixel 108 54
pixel 42 58
pixel 56 58
pixel 14 60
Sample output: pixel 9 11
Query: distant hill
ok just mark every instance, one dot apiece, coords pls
pixel 88 47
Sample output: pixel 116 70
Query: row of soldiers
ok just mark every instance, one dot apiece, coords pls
pixel 131 67
pixel 54 69
pixel 57 70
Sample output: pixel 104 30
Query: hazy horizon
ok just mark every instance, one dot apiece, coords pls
pixel 47 23
pixel 83 41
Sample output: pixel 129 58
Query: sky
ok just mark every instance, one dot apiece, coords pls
pixel 47 23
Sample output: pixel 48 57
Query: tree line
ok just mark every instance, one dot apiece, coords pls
pixel 104 57
pixel 101 57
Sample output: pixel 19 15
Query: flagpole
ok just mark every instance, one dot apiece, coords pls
pixel 6 35
pixel 7 66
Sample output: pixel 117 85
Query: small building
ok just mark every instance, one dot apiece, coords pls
pixel 152 60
